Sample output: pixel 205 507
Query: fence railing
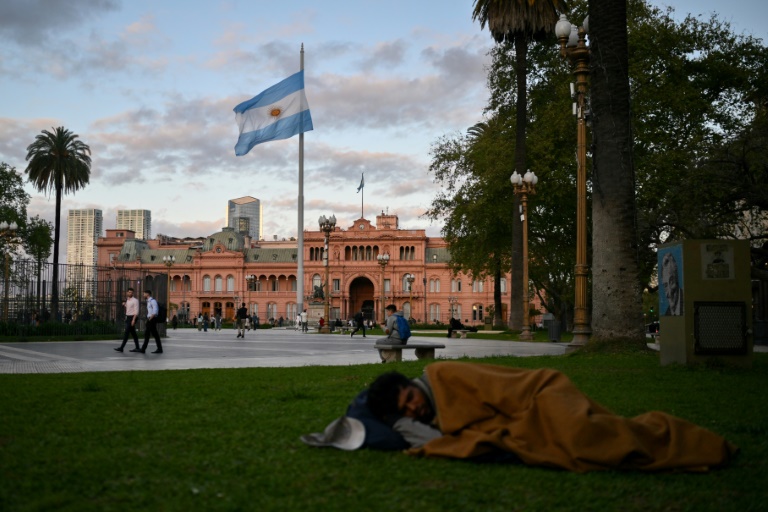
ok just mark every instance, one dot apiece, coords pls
pixel 90 298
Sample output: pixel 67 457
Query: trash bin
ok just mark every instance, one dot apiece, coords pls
pixel 552 325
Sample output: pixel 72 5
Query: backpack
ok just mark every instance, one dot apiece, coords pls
pixel 403 328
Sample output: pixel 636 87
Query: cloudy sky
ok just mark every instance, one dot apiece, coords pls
pixel 150 86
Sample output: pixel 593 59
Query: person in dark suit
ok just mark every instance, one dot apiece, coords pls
pixel 359 323
pixel 151 329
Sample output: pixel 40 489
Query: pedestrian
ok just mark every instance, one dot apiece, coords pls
pixel 152 310
pixel 199 321
pixel 240 317
pixel 304 327
pixel 174 322
pixel 218 321
pixel 205 322
pixel 359 323
pixel 298 322
pixel 131 306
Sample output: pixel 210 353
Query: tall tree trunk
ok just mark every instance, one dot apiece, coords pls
pixel 616 291
pixel 518 289
pixel 55 277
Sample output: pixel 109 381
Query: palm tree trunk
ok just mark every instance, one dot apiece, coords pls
pixel 616 291
pixel 55 277
pixel 518 289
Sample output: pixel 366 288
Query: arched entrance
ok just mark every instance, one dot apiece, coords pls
pixel 361 297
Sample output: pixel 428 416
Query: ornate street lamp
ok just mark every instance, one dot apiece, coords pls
pixel 523 186
pixel 327 225
pixel 7 231
pixel 169 261
pixel 452 302
pixel 410 278
pixel 383 261
pixel 573 46
pixel 250 279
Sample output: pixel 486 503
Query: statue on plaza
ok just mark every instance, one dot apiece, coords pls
pixel 318 292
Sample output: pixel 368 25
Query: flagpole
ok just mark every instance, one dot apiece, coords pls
pixel 300 236
pixel 362 202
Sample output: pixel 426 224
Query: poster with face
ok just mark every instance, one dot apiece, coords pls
pixel 671 280
pixel 717 261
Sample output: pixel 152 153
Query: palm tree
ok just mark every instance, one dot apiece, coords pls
pixel 616 291
pixel 520 22
pixel 58 162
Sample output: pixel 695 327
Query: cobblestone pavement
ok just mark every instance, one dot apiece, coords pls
pixel 190 349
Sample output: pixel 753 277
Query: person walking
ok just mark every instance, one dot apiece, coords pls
pixel 304 326
pixel 359 323
pixel 240 317
pixel 131 306
pixel 152 311
pixel 298 322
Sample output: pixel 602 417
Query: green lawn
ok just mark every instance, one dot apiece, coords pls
pixel 228 440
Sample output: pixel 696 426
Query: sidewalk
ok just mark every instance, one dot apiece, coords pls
pixel 190 349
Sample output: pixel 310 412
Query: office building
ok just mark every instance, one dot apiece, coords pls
pixel 138 221
pixel 84 227
pixel 245 216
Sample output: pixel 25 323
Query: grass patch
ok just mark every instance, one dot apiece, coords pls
pixel 228 440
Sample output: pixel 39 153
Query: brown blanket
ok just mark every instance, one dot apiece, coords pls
pixel 540 416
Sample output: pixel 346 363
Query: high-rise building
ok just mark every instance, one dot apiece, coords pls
pixel 138 221
pixel 84 228
pixel 245 215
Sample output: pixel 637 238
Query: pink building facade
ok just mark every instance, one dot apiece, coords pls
pixel 216 274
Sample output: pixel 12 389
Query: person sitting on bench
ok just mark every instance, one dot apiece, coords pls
pixel 454 325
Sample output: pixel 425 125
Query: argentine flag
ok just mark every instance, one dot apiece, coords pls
pixel 279 112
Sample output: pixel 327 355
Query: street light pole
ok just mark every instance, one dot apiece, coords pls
pixel 327 225
pixel 7 231
pixel 410 278
pixel 523 186
pixel 452 301
pixel 168 261
pixel 573 46
pixel 184 298
pixel 250 279
pixel 383 260
pixel 424 282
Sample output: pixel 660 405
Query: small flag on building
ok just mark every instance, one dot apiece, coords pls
pixel 279 112
pixel 362 182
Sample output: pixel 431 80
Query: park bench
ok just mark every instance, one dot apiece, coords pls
pixel 391 352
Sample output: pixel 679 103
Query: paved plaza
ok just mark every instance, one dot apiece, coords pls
pixel 190 349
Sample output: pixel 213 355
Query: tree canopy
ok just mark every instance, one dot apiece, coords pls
pixel 699 122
